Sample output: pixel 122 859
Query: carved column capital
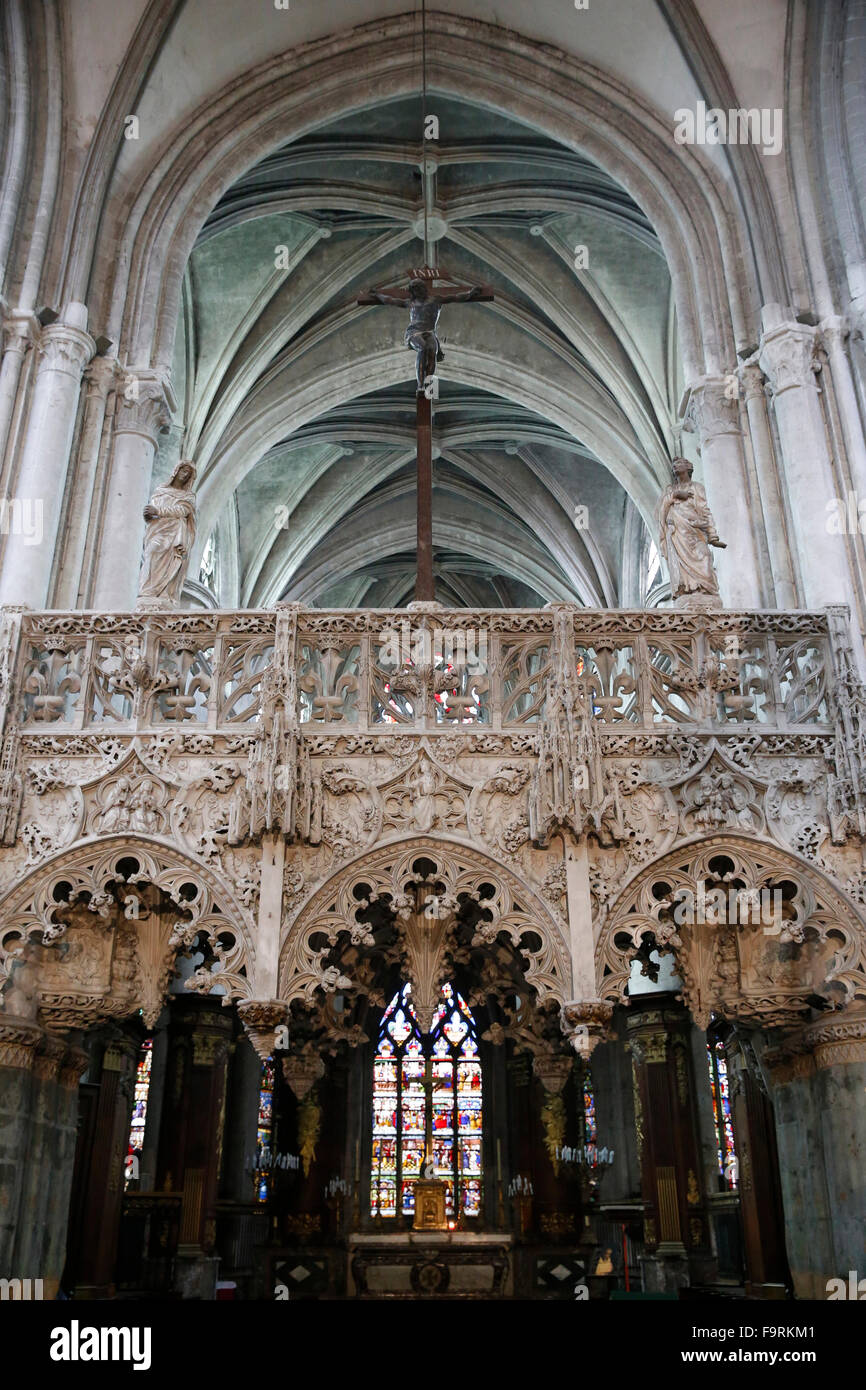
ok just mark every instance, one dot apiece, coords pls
pixel 788 356
pixel 829 1042
pixel 302 1073
pixel 835 331
pixel 19 1038
pixel 752 380
pixel 712 407
pixel 837 1041
pixel 101 375
pixel 261 1018
pixel 145 403
pixel 65 349
pixel 553 1070
pixel 20 332
pixel 49 1059
pixel 73 1066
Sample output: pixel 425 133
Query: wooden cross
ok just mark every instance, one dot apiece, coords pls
pixel 424 296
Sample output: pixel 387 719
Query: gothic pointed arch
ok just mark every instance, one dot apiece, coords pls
pixel 137 293
pixel 465 884
pixel 758 934
pixel 102 923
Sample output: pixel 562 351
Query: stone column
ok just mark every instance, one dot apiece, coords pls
pixel 778 545
pixel 39 1076
pixel 835 332
pixel 144 405
pixel 18 1043
pixel 579 902
pixel 716 417
pixel 191 1133
pixel 245 1073
pixel 64 350
pixel 787 356
pixel 104 1172
pixel 99 379
pixel 612 1083
pixel 19 333
pixel 819 1082
pixel 767 1273
pixel 675 1224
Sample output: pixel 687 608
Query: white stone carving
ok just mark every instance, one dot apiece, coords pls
pixel 168 539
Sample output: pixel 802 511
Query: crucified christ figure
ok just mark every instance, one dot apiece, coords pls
pixel 424 301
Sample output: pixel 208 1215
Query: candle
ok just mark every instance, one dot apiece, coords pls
pixel 357 1160
pixel 498 1161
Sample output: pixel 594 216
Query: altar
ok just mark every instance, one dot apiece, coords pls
pixel 430 1264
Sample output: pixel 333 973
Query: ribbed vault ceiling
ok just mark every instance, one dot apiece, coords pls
pixel 298 406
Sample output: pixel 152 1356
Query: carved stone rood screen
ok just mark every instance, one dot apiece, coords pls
pixel 252 758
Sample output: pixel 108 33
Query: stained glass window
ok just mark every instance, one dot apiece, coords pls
pixel 590 1130
pixel 139 1112
pixel 725 1150
pixel 264 1130
pixel 417 1079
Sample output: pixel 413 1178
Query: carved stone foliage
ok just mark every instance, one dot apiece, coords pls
pixel 107 922
pixel 846 795
pixel 757 936
pixel 339 911
pixel 59 821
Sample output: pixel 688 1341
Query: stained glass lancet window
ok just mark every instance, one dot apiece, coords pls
pixel 264 1130
pixel 726 1152
pixel 590 1129
pixel 403 1095
pixel 139 1112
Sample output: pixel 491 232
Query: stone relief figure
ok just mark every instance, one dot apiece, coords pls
pixel 168 539
pixel 21 995
pixel 115 813
pixel 145 814
pixel 686 532
pixel 424 804
pixel 718 801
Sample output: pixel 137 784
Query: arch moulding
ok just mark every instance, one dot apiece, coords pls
pixel 146 238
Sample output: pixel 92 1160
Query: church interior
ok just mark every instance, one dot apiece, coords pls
pixel 432 667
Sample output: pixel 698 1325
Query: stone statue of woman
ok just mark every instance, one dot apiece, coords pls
pixel 168 539
pixel 686 532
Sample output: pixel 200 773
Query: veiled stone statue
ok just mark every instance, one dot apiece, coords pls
pixel 168 540
pixel 686 532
